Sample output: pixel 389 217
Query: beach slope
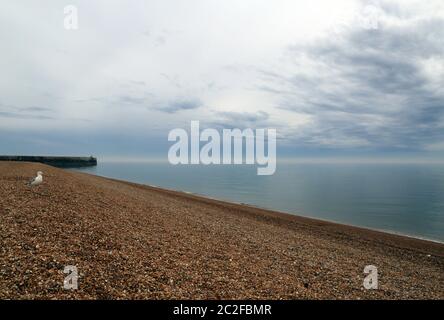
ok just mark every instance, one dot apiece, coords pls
pixel 132 241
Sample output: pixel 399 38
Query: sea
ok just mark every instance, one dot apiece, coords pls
pixel 406 199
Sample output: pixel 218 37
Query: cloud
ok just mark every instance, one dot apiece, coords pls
pixel 314 70
pixel 36 109
pixel 368 87
pixel 231 119
pixel 126 99
pixel 33 113
pixel 13 115
pixel 137 83
pixel 180 105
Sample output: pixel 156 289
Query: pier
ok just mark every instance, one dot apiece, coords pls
pixel 60 162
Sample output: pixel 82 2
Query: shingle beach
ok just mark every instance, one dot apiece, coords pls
pixel 131 241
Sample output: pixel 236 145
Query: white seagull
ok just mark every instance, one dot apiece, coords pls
pixel 37 180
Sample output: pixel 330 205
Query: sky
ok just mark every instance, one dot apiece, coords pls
pixel 361 79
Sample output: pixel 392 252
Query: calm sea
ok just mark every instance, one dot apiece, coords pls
pixel 400 198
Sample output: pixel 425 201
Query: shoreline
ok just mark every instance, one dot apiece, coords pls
pixel 387 231
pixel 391 232
pixel 282 214
pixel 252 206
pixel 134 241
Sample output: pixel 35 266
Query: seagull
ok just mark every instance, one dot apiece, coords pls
pixel 37 180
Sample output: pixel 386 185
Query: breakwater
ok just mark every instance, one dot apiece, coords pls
pixel 61 162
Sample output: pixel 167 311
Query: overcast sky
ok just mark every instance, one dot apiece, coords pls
pixel 335 78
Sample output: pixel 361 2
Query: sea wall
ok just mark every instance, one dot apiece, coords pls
pixel 61 162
